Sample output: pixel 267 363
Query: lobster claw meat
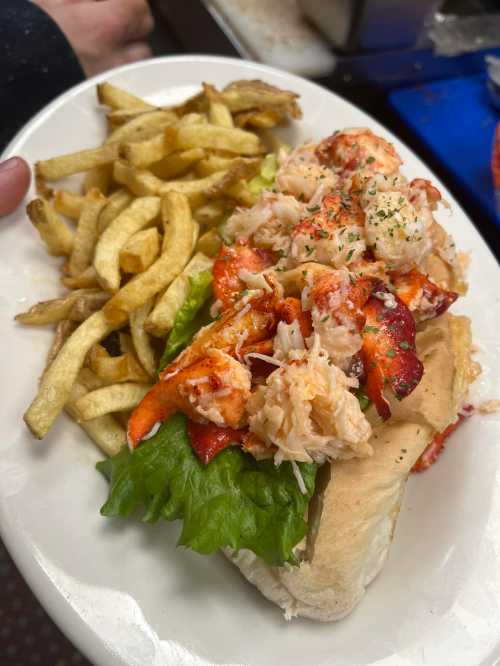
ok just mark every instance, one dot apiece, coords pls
pixel 227 284
pixel 290 310
pixel 388 349
pixel 436 446
pixel 422 296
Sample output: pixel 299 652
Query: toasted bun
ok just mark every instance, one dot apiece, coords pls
pixel 353 514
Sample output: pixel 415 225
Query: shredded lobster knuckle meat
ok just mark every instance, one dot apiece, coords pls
pixel 388 350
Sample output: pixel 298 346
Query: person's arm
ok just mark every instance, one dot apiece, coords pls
pixel 37 63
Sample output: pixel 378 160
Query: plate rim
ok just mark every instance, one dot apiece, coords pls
pixel 23 553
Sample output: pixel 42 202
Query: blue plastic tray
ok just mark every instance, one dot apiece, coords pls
pixel 456 121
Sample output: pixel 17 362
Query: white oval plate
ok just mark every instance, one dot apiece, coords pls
pixel 122 591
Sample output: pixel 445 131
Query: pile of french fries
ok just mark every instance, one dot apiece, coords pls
pixel 145 220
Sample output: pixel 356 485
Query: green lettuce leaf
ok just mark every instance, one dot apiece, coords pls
pixel 190 317
pixel 363 399
pixel 234 501
pixel 265 179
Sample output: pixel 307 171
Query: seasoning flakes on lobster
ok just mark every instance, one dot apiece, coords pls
pixel 230 262
pixel 389 349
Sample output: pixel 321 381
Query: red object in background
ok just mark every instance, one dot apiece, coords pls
pixel 495 158
pixel 436 447
pixel 208 439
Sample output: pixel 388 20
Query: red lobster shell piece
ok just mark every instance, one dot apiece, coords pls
pixel 388 350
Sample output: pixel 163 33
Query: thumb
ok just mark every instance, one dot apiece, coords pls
pixel 15 178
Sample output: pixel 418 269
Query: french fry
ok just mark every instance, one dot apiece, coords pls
pixel 86 232
pixel 219 114
pixel 253 94
pixel 209 243
pixel 192 119
pixel 116 369
pixel 161 319
pixel 213 137
pixel 177 164
pixel 241 194
pixel 108 399
pixel 117 202
pixel 116 98
pixel 83 160
pixel 99 177
pixel 180 238
pixel 139 181
pixel 53 311
pixel 211 214
pixel 142 344
pixel 215 163
pixel 64 329
pixel 85 280
pixel 104 430
pixel 143 153
pixel 142 127
pixel 260 119
pixel 121 116
pixel 86 304
pixel 140 251
pixel 57 237
pixel 129 221
pixel 58 380
pixel 68 204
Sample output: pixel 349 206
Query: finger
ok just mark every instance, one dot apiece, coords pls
pixel 135 52
pixel 15 178
pixel 134 17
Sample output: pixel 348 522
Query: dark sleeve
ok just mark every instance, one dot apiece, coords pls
pixel 36 64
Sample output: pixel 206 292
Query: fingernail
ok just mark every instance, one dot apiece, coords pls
pixel 10 164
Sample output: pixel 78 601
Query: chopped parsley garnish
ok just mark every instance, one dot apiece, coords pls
pixel 370 329
pixel 405 345
pixel 391 353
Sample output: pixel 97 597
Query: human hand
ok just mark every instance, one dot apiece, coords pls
pixel 15 178
pixel 104 33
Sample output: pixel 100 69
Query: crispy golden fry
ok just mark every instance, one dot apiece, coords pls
pixel 140 251
pixel 213 137
pixel 107 252
pixel 179 240
pixel 116 98
pixel 209 243
pixel 86 232
pixel 99 177
pixel 88 303
pixel 86 280
pixel 245 95
pixel 192 119
pixel 83 160
pixel 63 330
pixel 177 164
pixel 142 343
pixel 68 203
pixel 142 127
pixel 108 399
pixel 57 382
pixel 57 237
pixel 260 119
pixel 161 319
pixel 117 202
pixel 219 114
pixel 212 213
pixel 116 369
pixel 53 311
pixel 249 166
pixel 143 153
pixel 122 116
pixel 139 181
pixel 104 430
